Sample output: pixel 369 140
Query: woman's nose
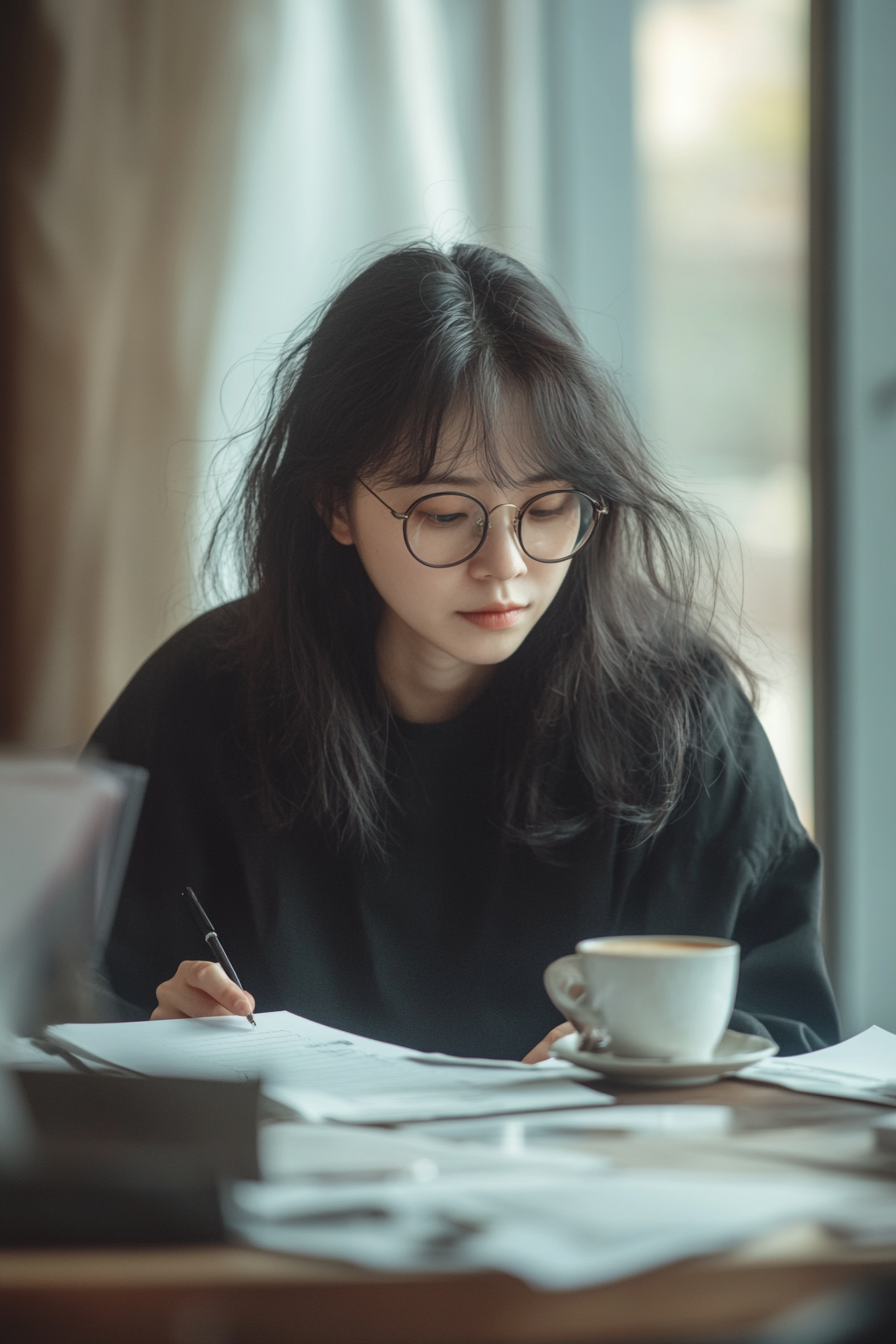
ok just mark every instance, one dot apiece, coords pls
pixel 501 556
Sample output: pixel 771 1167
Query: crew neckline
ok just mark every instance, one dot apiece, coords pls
pixel 409 727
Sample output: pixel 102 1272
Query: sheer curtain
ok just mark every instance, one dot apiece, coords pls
pixel 117 239
pixel 211 168
pixel 502 121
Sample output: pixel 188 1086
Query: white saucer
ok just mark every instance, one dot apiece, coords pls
pixel 735 1051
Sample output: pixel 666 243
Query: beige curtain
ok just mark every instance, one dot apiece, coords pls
pixel 118 238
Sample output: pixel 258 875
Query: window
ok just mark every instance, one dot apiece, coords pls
pixel 721 113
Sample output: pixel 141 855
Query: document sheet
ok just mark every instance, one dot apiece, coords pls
pixel 321 1073
pixel 343 1154
pixel 555 1230
pixel 862 1069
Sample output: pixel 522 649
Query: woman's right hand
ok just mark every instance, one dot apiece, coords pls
pixel 201 989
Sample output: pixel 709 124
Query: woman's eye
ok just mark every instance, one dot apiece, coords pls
pixel 443 519
pixel 545 515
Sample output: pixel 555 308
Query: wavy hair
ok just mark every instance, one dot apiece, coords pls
pixel 615 682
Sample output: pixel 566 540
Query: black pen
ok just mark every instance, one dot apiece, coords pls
pixel 206 928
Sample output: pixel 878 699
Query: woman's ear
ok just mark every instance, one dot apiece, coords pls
pixel 337 519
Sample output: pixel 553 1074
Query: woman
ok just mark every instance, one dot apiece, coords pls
pixel 468 713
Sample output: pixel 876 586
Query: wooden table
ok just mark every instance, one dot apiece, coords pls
pixel 230 1295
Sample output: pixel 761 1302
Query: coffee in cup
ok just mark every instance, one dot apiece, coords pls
pixel 657 996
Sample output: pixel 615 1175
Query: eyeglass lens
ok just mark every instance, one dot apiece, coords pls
pixel 446 529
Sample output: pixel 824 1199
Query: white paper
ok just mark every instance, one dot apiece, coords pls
pixel 556 1232
pixel 323 1073
pixel 21 1053
pixel 862 1069
pixel 523 1132
pixel 341 1153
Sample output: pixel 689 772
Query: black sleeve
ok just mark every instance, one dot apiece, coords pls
pixel 736 862
pixel 174 719
pixel 784 991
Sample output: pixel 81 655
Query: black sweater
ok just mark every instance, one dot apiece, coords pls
pixel 442 945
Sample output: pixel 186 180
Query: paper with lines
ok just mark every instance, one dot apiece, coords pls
pixel 322 1073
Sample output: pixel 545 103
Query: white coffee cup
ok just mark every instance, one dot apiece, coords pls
pixel 657 996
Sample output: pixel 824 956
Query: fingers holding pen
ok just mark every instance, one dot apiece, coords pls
pixel 211 979
pixel 201 989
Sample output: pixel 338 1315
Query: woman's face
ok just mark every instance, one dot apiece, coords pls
pixel 476 613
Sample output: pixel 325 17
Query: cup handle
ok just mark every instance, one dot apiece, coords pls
pixel 565 985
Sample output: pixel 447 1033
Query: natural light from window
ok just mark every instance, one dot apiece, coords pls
pixel 721 108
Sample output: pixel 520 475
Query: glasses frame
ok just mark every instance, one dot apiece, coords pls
pixel 598 506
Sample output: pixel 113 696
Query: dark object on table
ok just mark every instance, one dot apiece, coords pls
pixel 121 1161
pixel 103 1210
pixel 205 1128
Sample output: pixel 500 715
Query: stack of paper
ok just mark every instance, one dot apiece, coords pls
pixel 528 1131
pixel 862 1069
pixel 345 1154
pixel 427 1198
pixel 321 1073
pixel 556 1231
pixel 406 1200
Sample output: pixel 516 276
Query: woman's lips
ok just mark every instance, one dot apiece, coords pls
pixel 493 618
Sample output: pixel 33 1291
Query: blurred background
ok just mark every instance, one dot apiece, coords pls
pixel 709 184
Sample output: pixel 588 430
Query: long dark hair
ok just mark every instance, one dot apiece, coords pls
pixel 613 682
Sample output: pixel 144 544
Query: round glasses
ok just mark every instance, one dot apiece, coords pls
pixel 445 529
